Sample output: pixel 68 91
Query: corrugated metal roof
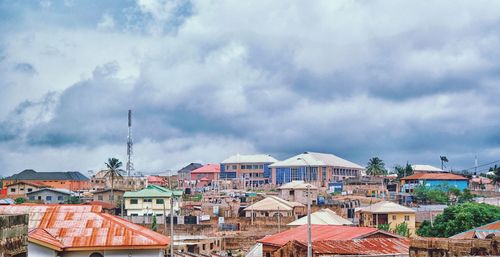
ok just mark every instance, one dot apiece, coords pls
pixel 386 207
pixel 424 167
pixel 316 159
pixel 368 246
pixel 250 158
pixel 153 191
pixel 319 233
pixel 322 217
pixel 297 184
pixel 435 176
pixel 493 227
pixel 209 168
pixel 57 190
pixel 273 203
pixel 86 227
pixel 33 175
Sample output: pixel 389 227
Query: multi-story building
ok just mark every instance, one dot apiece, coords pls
pixel 249 169
pixel 314 168
pixel 101 182
pixel 152 200
pixel 21 188
pixel 70 180
pixel 297 191
pixel 184 174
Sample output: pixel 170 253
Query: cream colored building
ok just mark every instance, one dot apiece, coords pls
pixel 296 191
pixel 152 200
pixel 271 206
pixel 387 213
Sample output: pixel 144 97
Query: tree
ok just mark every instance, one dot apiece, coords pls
pixel 375 167
pixel 154 226
pixel 20 200
pixel 402 172
pixel 402 229
pixel 113 171
pixel 443 160
pixel 459 218
pixel 384 226
pixel 73 200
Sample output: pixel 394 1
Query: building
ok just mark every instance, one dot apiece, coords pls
pixel 355 247
pixel 105 196
pixel 271 206
pixel 83 230
pixel 486 231
pixel 70 180
pixel 387 213
pixel 50 195
pixel 156 180
pixel 322 217
pixel 207 173
pixel 423 168
pixel 184 174
pixel 433 180
pixel 427 212
pixel 251 170
pixel 296 191
pixel 21 188
pixel 14 235
pixel 152 200
pixel 127 183
pixel 315 168
pixel 274 242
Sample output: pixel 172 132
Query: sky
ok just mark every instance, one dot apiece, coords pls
pixel 407 81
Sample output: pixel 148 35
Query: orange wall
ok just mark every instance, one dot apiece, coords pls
pixel 72 185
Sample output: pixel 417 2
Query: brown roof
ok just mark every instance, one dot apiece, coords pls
pixel 84 227
pixel 368 246
pixel 480 232
pixel 435 176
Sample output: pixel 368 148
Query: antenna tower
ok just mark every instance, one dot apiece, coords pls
pixel 130 165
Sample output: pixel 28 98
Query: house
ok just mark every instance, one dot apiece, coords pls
pixel 322 217
pixel 105 196
pixel 387 213
pixel 206 174
pixel 427 212
pixel 152 200
pixel 83 230
pixel 433 180
pixel 486 231
pixel 296 191
pixel 100 181
pixel 423 168
pixel 274 242
pixel 272 206
pixel 50 195
pixel 70 180
pixel 19 189
pixel 156 180
pixel 314 168
pixel 250 170
pixel 355 247
pixel 184 174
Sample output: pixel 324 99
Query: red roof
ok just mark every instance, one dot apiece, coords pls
pixel 209 168
pixel 84 227
pixel 104 205
pixel 490 228
pixel 368 246
pixel 320 232
pixel 155 179
pixel 435 176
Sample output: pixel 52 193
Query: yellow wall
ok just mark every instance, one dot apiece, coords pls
pixel 393 218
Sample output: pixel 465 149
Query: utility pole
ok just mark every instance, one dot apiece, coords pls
pixel 172 225
pixel 309 240
pixel 279 220
pixel 165 219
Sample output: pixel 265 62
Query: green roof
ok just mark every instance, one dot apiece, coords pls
pixel 153 191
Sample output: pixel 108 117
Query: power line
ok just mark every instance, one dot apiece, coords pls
pixel 482 165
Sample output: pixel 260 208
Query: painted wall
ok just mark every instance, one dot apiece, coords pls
pixel 393 219
pixel 43 197
pixel 35 250
pixel 142 208
pixel 410 185
pixel 73 185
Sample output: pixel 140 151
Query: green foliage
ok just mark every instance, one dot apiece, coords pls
pixel 442 194
pixel 459 218
pixel 384 227
pixel 465 196
pixel 496 174
pixel 20 200
pixel 375 166
pixel 154 226
pixel 402 229
pixel 403 171
pixel 73 200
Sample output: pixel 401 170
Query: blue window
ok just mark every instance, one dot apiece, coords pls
pixel 48 198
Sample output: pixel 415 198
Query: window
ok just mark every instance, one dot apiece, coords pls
pixel 39 197
pixel 393 217
pixel 159 201
pixel 134 201
pixel 13 190
pixel 148 200
pixel 22 189
pixel 234 167
pixel 60 198
pixel 323 173
pixel 48 198
pixel 30 189
pixel 96 255
pixel 243 167
pixel 407 217
pixel 100 198
pixel 261 167
pixel 32 198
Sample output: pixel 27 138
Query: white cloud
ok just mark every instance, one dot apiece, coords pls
pixel 107 22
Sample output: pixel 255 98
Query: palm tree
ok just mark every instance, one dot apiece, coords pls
pixel 375 167
pixel 113 171
pixel 443 160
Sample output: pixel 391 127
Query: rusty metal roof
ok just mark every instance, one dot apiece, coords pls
pixel 85 227
pixel 480 232
pixel 320 233
pixel 368 246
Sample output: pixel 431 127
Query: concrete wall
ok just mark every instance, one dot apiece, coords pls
pixel 35 250
pixel 437 247
pixel 13 235
pixel 43 194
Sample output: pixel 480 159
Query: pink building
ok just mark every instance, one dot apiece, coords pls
pixel 206 173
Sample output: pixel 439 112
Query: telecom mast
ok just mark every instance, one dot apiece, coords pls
pixel 130 165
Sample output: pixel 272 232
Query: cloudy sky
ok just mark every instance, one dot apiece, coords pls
pixel 402 80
